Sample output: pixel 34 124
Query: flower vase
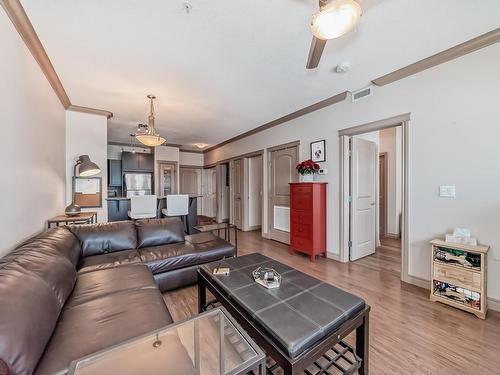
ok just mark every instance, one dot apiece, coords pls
pixel 308 177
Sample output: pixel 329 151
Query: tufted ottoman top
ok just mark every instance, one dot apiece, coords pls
pixel 298 314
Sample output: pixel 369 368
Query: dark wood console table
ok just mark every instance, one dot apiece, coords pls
pixel 82 218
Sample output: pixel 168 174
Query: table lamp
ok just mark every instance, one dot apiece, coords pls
pixel 86 168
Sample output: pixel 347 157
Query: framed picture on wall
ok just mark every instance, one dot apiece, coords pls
pixel 318 151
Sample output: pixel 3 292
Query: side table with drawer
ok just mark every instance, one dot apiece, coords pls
pixel 459 275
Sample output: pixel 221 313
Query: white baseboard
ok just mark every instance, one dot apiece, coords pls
pixel 494 304
pixel 333 256
pixel 421 283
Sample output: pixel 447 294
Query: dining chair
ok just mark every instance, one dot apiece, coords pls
pixel 143 207
pixel 178 206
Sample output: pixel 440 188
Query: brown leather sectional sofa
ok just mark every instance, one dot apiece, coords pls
pixel 72 291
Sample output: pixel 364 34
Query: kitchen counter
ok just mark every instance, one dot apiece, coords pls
pixel 118 208
pixel 158 197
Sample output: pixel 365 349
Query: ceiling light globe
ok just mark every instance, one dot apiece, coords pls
pixel 335 19
pixel 150 140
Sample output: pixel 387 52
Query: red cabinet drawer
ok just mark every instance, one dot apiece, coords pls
pixel 302 201
pixel 301 230
pixel 298 189
pixel 301 216
pixel 302 244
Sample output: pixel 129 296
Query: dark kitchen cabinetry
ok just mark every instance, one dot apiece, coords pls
pixel 115 173
pixel 137 162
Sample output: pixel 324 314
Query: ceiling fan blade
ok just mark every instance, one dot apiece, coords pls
pixel 317 47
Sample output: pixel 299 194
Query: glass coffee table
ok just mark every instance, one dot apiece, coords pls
pixel 225 228
pixel 211 343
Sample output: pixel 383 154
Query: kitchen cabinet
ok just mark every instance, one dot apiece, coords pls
pixel 146 162
pixel 115 173
pixel 137 162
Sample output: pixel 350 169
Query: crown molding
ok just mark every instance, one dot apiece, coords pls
pixel 191 151
pixel 93 111
pixel 452 53
pixel 301 112
pixel 24 27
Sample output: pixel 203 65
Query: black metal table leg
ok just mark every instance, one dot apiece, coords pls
pixel 202 294
pixel 362 344
pixel 235 241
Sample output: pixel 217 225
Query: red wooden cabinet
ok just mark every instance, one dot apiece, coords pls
pixel 308 218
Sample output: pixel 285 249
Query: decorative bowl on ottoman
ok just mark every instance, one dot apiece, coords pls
pixel 267 277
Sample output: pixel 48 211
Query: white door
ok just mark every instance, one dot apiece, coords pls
pixel 190 182
pixel 210 192
pixel 281 173
pixel 254 192
pixel 363 193
pixel 237 190
pixel 222 193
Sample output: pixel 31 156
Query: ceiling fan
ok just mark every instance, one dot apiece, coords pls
pixel 334 19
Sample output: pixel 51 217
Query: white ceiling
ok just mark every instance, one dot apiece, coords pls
pixel 231 65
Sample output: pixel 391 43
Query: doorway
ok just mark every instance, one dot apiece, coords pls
pixel 382 196
pixel 209 193
pixel 168 178
pixel 222 172
pixel 374 194
pixel 282 162
pixel 190 183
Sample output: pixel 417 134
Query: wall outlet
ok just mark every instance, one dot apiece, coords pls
pixel 322 171
pixel 447 191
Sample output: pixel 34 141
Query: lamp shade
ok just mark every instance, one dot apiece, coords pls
pixel 87 167
pixel 335 19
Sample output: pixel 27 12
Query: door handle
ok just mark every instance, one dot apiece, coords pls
pixel 372 204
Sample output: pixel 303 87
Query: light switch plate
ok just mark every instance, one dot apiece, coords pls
pixel 447 191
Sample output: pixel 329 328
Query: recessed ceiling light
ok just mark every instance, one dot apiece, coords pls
pixel 200 145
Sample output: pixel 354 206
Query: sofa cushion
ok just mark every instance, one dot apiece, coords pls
pixel 28 314
pixel 92 285
pixel 110 260
pixel 59 240
pixel 104 238
pixel 170 257
pixel 156 232
pixel 100 323
pixel 54 269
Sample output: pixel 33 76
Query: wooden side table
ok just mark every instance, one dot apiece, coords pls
pixel 82 218
pixel 459 276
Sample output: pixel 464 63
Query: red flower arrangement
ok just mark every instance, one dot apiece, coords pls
pixel 307 167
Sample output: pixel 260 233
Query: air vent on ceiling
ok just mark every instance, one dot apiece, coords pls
pixel 361 94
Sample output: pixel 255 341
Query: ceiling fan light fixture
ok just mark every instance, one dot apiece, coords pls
pixel 335 19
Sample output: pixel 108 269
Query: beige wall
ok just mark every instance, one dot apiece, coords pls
pixel 455 135
pixel 32 153
pixel 191 158
pixel 87 134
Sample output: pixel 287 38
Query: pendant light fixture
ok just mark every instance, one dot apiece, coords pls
pixel 150 137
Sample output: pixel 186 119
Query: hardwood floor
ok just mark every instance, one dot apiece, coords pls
pixel 408 333
pixel 387 257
